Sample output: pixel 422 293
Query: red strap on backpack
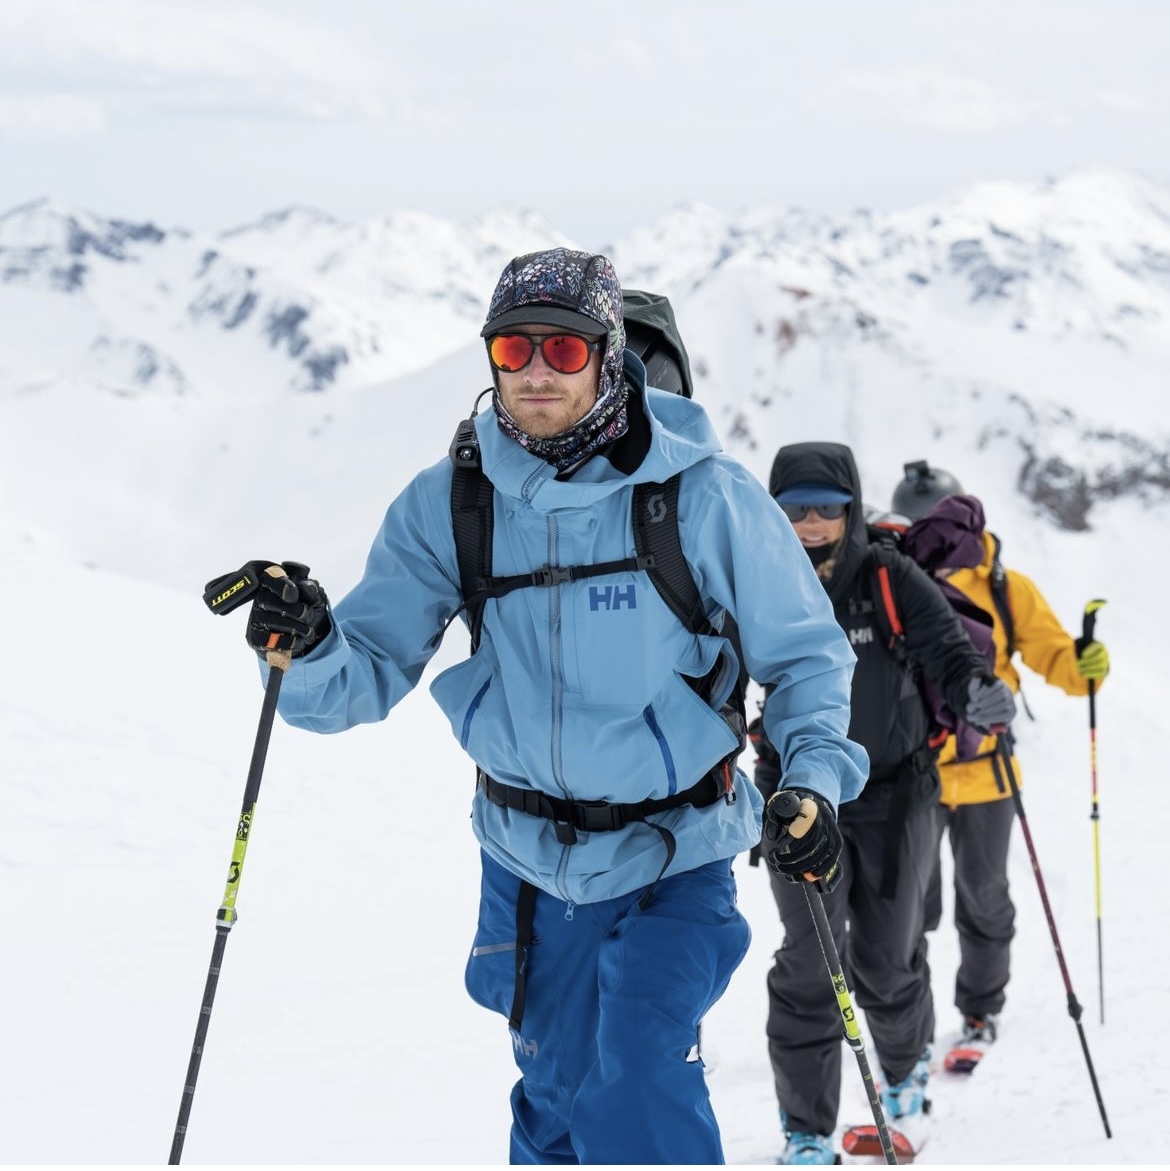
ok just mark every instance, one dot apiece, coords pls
pixel 887 592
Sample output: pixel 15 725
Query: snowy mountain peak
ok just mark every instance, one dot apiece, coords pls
pixel 47 240
pixel 1027 319
pixel 293 217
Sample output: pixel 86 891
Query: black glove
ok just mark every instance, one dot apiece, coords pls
pixel 801 838
pixel 292 607
pixel 990 704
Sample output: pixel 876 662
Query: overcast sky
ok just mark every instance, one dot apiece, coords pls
pixel 602 114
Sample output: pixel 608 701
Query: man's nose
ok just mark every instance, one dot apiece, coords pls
pixel 538 370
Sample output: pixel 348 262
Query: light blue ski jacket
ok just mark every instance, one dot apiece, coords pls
pixel 579 690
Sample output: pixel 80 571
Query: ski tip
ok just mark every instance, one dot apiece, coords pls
pixel 962 1060
pixel 865 1142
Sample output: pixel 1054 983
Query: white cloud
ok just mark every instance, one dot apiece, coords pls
pixel 1123 101
pixel 50 116
pixel 215 55
pixel 937 100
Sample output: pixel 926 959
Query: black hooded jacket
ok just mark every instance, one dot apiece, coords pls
pixel 889 718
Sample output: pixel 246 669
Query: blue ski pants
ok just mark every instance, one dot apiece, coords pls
pixel 614 996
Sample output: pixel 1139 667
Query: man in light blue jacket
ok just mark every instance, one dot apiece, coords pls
pixel 609 807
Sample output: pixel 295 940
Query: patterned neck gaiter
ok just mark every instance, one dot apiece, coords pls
pixel 608 420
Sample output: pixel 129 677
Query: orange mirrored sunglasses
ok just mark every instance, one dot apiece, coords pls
pixel 566 353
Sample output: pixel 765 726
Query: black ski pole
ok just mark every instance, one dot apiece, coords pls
pixel 1074 1008
pixel 787 805
pixel 1087 624
pixel 223 596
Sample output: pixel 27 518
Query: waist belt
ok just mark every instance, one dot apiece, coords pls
pixel 992 755
pixel 602 816
pixel 917 763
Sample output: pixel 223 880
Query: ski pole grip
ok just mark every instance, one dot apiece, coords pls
pixel 1089 622
pixel 224 594
pixel 280 660
pixel 789 807
pixel 294 570
pixel 798 815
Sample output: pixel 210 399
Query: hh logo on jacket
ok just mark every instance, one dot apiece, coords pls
pixel 861 635
pixel 613 597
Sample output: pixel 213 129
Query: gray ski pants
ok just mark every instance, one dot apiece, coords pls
pixel 984 913
pixel 883 948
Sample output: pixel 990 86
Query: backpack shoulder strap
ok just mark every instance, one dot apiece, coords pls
pixel 885 604
pixel 472 524
pixel 655 519
pixel 999 595
pixel 654 513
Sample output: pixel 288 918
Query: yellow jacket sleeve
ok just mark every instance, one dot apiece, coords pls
pixel 1042 644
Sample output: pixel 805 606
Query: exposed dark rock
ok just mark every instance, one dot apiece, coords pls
pixel 323 367
pixel 284 328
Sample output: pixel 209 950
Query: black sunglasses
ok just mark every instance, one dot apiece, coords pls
pixel 797 512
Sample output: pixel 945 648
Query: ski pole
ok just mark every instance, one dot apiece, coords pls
pixel 1074 1008
pixel 222 596
pixel 787 806
pixel 1087 623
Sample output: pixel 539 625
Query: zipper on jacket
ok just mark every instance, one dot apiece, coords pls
pixel 556 661
pixel 667 760
pixel 557 674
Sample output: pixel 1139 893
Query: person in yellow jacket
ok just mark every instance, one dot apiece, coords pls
pixel 948 536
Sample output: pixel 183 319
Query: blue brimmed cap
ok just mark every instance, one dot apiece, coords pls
pixel 809 492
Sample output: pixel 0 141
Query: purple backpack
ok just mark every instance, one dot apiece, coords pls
pixel 923 541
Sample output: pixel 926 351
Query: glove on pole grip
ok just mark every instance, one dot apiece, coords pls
pixel 1089 622
pixel 226 593
pixel 798 814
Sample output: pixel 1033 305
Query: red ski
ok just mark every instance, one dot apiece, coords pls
pixel 963 1058
pixel 907 1137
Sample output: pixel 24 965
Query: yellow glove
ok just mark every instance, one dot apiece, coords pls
pixel 1093 661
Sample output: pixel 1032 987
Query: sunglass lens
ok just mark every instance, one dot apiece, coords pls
pixel 566 353
pixel 510 351
pixel 797 512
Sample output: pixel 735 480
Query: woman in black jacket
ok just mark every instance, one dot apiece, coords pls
pixel 877 910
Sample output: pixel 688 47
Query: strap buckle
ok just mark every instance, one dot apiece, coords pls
pixel 551 575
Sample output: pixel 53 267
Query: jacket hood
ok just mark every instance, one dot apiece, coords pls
pixel 832 464
pixel 949 536
pixel 681 435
